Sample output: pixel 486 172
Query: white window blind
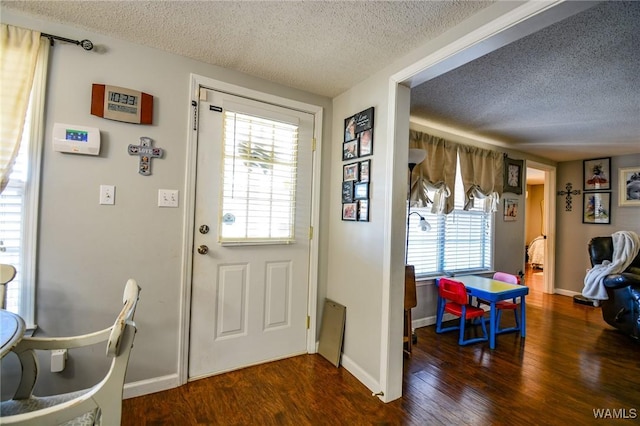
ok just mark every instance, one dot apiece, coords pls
pixel 458 242
pixel 11 221
pixel 14 247
pixel 259 180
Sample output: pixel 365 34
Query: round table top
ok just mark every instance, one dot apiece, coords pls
pixel 12 329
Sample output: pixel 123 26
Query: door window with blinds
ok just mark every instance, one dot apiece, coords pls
pixel 459 242
pixel 259 172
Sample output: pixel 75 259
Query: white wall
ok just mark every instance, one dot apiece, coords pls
pixel 86 251
pixel 355 266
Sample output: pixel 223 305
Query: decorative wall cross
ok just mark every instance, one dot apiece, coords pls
pixel 146 152
pixel 568 194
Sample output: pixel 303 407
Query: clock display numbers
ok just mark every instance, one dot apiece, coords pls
pixel 122 98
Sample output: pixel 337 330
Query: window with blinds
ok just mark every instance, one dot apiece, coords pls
pixel 12 220
pixel 459 242
pixel 259 180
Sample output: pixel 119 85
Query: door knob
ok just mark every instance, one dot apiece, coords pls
pixel 203 249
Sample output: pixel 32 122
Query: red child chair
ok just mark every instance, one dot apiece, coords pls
pixel 454 300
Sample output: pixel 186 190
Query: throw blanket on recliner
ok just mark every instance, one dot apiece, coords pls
pixel 626 245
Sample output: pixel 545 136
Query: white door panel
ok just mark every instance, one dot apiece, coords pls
pixel 249 301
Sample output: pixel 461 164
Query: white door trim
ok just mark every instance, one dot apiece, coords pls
pixel 197 81
pixel 549 220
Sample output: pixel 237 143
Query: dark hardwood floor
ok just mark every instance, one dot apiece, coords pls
pixel 570 364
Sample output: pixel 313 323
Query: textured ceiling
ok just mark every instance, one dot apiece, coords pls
pixel 570 91
pixel 320 47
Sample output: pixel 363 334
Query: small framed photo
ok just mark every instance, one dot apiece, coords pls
pixel 510 210
pixel 350 150
pixel 350 172
pixel 365 168
pixel 597 174
pixel 350 128
pixel 363 211
pixel 513 175
pixel 364 120
pixel 349 211
pixel 366 143
pixel 596 207
pixel 361 191
pixel 629 186
pixel 347 191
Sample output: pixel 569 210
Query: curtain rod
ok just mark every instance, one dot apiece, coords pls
pixel 85 44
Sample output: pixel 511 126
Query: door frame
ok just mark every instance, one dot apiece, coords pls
pixel 195 83
pixel 549 221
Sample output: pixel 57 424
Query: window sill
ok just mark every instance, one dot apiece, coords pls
pixel 431 279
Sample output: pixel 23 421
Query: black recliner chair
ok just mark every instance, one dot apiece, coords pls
pixel 622 309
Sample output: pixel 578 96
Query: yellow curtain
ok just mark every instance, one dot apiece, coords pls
pixel 18 57
pixel 436 172
pixel 482 175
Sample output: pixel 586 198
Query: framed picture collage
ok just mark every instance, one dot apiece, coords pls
pixel 596 197
pixel 356 170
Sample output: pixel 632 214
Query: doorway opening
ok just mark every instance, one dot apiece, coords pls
pixel 539 223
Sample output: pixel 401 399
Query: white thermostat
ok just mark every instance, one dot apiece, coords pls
pixel 76 139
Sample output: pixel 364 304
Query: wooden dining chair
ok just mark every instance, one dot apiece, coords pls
pixel 100 404
pixel 7 274
pixel 455 301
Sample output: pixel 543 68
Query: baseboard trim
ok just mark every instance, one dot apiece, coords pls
pixel 566 292
pixel 145 387
pixel 360 374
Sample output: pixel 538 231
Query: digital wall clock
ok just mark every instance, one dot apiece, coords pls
pixel 121 104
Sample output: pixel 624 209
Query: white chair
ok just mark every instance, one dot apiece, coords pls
pixel 7 273
pixel 99 404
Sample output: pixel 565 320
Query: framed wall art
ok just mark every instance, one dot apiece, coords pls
pixel 361 191
pixel 349 129
pixel 363 211
pixel 365 141
pixel 356 176
pixel 347 191
pixel 350 150
pixel 510 210
pixel 597 174
pixel 513 170
pixel 349 211
pixel 360 126
pixel 365 168
pixel 629 186
pixel 596 207
pixel 350 172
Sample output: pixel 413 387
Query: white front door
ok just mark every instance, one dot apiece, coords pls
pixel 250 266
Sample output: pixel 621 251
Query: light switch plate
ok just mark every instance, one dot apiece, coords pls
pixel 107 194
pixel 167 198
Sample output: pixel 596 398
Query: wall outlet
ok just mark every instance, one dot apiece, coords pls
pixel 167 198
pixel 58 360
pixel 107 194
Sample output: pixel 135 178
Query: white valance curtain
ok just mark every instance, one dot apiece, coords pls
pixel 481 170
pixel 18 59
pixel 482 176
pixel 436 172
